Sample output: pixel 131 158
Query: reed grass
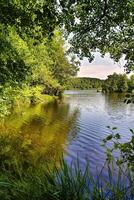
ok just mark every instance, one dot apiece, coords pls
pixel 61 183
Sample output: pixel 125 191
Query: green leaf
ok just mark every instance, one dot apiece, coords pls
pixel 117 136
pixel 109 137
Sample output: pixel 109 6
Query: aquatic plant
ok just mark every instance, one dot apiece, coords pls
pixel 22 179
pixel 61 183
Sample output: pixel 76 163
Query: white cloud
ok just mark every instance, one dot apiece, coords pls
pixel 100 67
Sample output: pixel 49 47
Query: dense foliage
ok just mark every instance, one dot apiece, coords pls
pixel 36 18
pixel 104 25
pixel 28 68
pixel 118 83
pixel 68 183
pixel 95 24
pixel 84 83
pixel 22 22
pixel 125 149
pixel 33 58
pixel 32 52
pixel 33 62
pixel 21 59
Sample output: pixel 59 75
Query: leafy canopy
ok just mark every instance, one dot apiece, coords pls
pixel 117 83
pixel 29 44
pixel 37 18
pixel 21 21
pixel 104 25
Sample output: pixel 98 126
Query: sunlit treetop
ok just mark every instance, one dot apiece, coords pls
pixel 35 17
pixel 22 21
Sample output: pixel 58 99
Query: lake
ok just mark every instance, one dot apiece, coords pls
pixel 73 127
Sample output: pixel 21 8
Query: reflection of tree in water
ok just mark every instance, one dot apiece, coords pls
pixel 116 109
pixel 74 128
pixel 42 137
pixel 114 103
pixel 114 97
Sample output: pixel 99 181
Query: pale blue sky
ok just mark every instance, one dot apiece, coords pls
pixel 100 67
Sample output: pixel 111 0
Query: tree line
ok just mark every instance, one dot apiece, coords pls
pixel 118 83
pixel 33 60
pixel 29 69
pixel 84 83
pixel 114 83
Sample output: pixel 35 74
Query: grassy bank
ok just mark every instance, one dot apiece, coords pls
pixel 59 183
pixel 11 98
pixel 28 176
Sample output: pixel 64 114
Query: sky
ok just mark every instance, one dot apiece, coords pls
pixel 100 67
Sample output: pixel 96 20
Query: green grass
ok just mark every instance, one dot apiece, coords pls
pixel 47 179
pixel 59 183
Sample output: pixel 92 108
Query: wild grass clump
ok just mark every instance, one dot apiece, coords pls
pixel 24 179
pixel 60 183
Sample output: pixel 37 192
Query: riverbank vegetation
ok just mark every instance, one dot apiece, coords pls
pixel 30 75
pixel 114 83
pixel 34 66
pixel 25 180
pixel 84 83
pixel 63 184
pixel 118 83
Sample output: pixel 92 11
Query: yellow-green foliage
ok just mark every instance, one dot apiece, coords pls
pixel 31 68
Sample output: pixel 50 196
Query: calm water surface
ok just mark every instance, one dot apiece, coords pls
pixel 74 127
pixel 96 112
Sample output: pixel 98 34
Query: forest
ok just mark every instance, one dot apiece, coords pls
pixel 118 83
pixel 32 64
pixel 84 83
pixel 114 83
pixel 41 45
pixel 33 59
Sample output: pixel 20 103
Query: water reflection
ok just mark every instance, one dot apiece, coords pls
pixel 75 128
pixel 97 110
pixel 37 135
pixel 116 108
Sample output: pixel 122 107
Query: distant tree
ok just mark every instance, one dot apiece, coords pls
pixel 122 83
pixel 112 82
pixel 84 83
pixel 131 83
pixel 116 83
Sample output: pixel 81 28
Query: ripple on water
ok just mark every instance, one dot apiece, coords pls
pixel 96 112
